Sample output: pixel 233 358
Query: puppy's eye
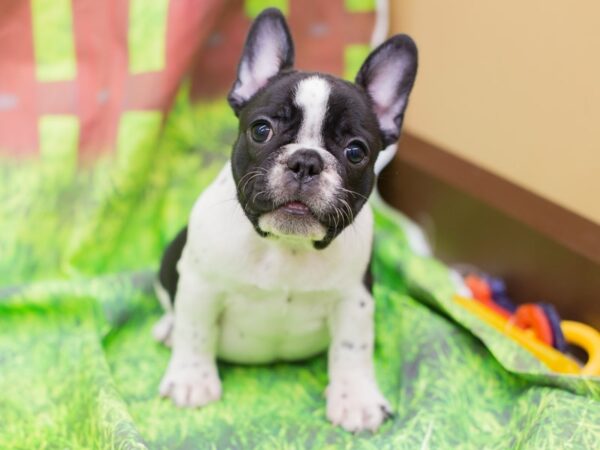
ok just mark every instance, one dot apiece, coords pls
pixel 355 152
pixel 261 132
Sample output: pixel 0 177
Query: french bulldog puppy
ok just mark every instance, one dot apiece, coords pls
pixel 274 263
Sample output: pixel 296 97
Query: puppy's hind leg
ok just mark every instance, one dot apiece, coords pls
pixel 162 330
pixel 165 287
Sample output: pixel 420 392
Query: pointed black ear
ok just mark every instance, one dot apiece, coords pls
pixel 388 76
pixel 268 50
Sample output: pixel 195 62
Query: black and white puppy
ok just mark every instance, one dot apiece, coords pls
pixel 273 263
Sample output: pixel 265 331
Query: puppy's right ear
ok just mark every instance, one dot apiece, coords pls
pixel 268 50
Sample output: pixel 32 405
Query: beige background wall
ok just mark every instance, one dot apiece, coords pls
pixel 513 86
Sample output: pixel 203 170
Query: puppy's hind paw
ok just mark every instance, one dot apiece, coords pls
pixel 163 329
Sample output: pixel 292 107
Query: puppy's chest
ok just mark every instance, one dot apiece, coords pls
pixel 286 271
pixel 270 267
pixel 275 302
pixel 261 326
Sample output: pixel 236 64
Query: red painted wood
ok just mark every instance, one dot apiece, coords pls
pixel 319 35
pixel 203 37
pixel 321 31
pixel 97 49
pixel 190 23
pixel 214 66
pixel 18 107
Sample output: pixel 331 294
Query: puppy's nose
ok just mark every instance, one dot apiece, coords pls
pixel 305 164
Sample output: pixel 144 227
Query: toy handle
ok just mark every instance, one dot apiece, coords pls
pixel 588 339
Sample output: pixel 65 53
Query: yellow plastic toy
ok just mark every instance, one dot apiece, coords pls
pixel 588 339
pixel 575 333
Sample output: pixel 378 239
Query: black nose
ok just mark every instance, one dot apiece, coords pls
pixel 305 164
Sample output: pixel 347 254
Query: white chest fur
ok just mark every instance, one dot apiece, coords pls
pixel 275 296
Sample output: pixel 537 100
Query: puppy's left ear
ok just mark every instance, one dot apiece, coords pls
pixel 268 50
pixel 388 75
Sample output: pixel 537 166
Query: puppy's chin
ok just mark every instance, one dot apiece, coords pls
pixel 292 222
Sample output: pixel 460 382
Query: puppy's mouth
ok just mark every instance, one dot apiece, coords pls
pixel 293 219
pixel 296 209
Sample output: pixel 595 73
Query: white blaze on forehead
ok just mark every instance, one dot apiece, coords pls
pixel 312 95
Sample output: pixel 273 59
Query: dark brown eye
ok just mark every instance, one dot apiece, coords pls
pixel 355 152
pixel 261 132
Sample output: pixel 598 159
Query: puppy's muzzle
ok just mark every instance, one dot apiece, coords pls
pixel 305 164
pixel 296 185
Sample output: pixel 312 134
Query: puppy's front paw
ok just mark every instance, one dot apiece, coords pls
pixel 356 404
pixel 191 383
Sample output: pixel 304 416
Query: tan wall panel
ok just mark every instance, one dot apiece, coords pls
pixel 513 86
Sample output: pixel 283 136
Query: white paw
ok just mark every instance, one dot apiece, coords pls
pixel 355 403
pixel 163 329
pixel 191 384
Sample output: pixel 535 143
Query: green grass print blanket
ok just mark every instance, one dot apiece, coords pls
pixel 79 370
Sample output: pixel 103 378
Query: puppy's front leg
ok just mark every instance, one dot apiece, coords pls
pixel 191 378
pixel 354 400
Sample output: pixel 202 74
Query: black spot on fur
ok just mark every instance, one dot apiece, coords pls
pixel 368 277
pixel 168 276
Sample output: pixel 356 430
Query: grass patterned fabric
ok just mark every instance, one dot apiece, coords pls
pixel 79 369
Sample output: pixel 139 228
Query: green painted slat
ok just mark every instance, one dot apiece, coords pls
pixel 59 141
pixel 53 40
pixel 254 7
pixel 359 5
pixel 354 56
pixel 138 133
pixel 147 33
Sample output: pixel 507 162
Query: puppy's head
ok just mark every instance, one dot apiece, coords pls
pixel 307 144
